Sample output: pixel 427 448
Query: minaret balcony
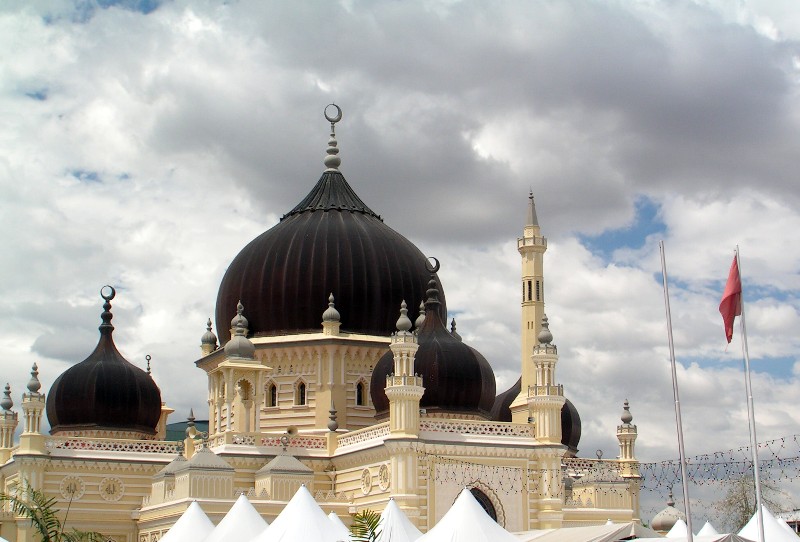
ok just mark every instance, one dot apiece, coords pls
pixel 531 241
pixel 541 391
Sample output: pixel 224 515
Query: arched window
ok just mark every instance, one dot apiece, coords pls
pixel 272 395
pixel 300 394
pixel 361 396
pixel 484 501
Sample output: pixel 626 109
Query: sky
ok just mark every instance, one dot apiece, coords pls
pixel 146 142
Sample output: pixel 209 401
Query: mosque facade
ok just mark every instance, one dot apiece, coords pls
pixel 337 371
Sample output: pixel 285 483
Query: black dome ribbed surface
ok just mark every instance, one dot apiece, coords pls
pixel 104 392
pixel 331 242
pixel 570 427
pixel 456 377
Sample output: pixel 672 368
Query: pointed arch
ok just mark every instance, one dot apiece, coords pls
pixel 362 392
pixel 300 392
pixel 271 394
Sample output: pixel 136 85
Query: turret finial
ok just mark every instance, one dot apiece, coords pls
pixel 403 323
pixel 6 402
pixel 453 331
pixel 209 339
pixel 421 318
pixel 147 359
pixel 545 336
pixel 532 218
pixel 627 417
pixel 33 384
pixel 332 159
pixel 331 314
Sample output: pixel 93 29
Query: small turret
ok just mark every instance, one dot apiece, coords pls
pixel 331 319
pixel 208 342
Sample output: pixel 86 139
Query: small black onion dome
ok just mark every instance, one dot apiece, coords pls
pixel 105 391
pixel 570 419
pixel 456 377
pixel 330 242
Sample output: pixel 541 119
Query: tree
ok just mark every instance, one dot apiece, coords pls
pixel 365 527
pixel 738 504
pixel 43 515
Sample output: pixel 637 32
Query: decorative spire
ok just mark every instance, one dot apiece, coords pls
pixel 208 337
pixel 331 314
pixel 453 331
pixel 333 425
pixel 147 359
pixel 332 160
pixel 627 417
pixel 6 402
pixel 532 219
pixel 432 303
pixel 403 323
pixel 33 384
pixel 545 336
pixel 239 319
pixel 670 499
pixel 421 318
pixel 191 431
pixel 106 328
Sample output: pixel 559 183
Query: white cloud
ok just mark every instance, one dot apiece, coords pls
pixel 146 150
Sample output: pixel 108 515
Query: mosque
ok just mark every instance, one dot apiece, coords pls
pixel 332 366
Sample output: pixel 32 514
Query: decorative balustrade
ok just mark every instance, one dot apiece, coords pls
pixel 477 427
pixel 531 241
pixel 111 445
pixel 363 435
pixel 540 391
pixel 313 442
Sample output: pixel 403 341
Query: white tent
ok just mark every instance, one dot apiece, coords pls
pixel 786 525
pixel 609 532
pixel 707 538
pixel 395 526
pixel 679 530
pixel 192 525
pixel 467 521
pixel 342 532
pixel 242 522
pixel 707 530
pixel 773 530
pixel 301 520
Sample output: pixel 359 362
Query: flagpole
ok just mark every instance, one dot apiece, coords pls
pixel 751 417
pixel 678 421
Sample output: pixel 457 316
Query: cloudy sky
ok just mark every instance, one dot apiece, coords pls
pixel 146 142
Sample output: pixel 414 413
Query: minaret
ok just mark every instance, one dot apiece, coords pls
pixel 404 388
pixel 531 246
pixel 8 424
pixel 545 397
pixel 628 464
pixel 33 403
pixel 626 434
pixel 404 391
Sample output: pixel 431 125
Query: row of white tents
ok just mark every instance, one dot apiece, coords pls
pixel 302 520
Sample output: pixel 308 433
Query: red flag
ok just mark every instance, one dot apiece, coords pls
pixel 731 305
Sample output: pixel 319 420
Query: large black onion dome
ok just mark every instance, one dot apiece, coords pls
pixel 570 419
pixel 456 377
pixel 331 242
pixel 105 391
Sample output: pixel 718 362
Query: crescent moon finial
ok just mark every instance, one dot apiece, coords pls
pixel 432 268
pixel 337 118
pixel 109 296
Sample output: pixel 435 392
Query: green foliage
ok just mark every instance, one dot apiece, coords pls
pixel 366 526
pixel 43 515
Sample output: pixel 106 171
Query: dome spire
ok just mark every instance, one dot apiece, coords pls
pixel 403 323
pixel 332 159
pixel 106 327
pixel 421 318
pixel 331 314
pixel 33 384
pixel 453 331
